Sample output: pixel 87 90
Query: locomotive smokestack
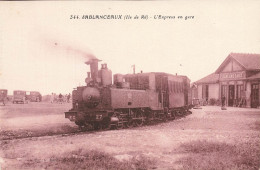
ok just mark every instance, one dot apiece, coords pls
pixel 93 68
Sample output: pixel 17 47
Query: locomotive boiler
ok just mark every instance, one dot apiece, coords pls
pixel 131 100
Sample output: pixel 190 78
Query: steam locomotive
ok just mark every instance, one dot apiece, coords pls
pixel 132 99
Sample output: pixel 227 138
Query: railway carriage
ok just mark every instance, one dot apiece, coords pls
pixel 132 99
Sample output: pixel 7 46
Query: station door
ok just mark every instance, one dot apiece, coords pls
pixel 254 95
pixel 231 95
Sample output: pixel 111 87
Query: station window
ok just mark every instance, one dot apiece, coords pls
pixel 205 91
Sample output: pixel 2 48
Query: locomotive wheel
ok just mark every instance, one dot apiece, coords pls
pixel 97 126
pixel 139 122
pixel 83 128
pixel 119 126
pixel 163 117
pixel 130 123
pixel 178 113
pixel 106 125
pixel 173 115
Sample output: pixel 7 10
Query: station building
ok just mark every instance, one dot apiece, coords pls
pixel 237 78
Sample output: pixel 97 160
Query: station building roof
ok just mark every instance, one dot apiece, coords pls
pixel 212 78
pixel 255 76
pixel 247 61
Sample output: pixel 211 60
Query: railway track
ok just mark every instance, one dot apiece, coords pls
pixel 26 134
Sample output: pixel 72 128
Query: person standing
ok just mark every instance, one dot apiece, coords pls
pixel 52 97
pixel 223 99
pixel 223 103
pixel 60 98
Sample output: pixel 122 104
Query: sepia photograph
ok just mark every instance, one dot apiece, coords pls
pixel 130 85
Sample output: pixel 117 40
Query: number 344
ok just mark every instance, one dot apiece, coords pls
pixel 74 17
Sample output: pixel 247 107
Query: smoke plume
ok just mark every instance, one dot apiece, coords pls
pixel 69 48
pixel 75 51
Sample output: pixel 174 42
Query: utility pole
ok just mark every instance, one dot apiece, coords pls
pixel 133 69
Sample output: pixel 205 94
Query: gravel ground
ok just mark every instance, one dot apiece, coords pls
pixel 159 142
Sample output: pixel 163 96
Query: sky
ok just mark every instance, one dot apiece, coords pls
pixel 42 49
